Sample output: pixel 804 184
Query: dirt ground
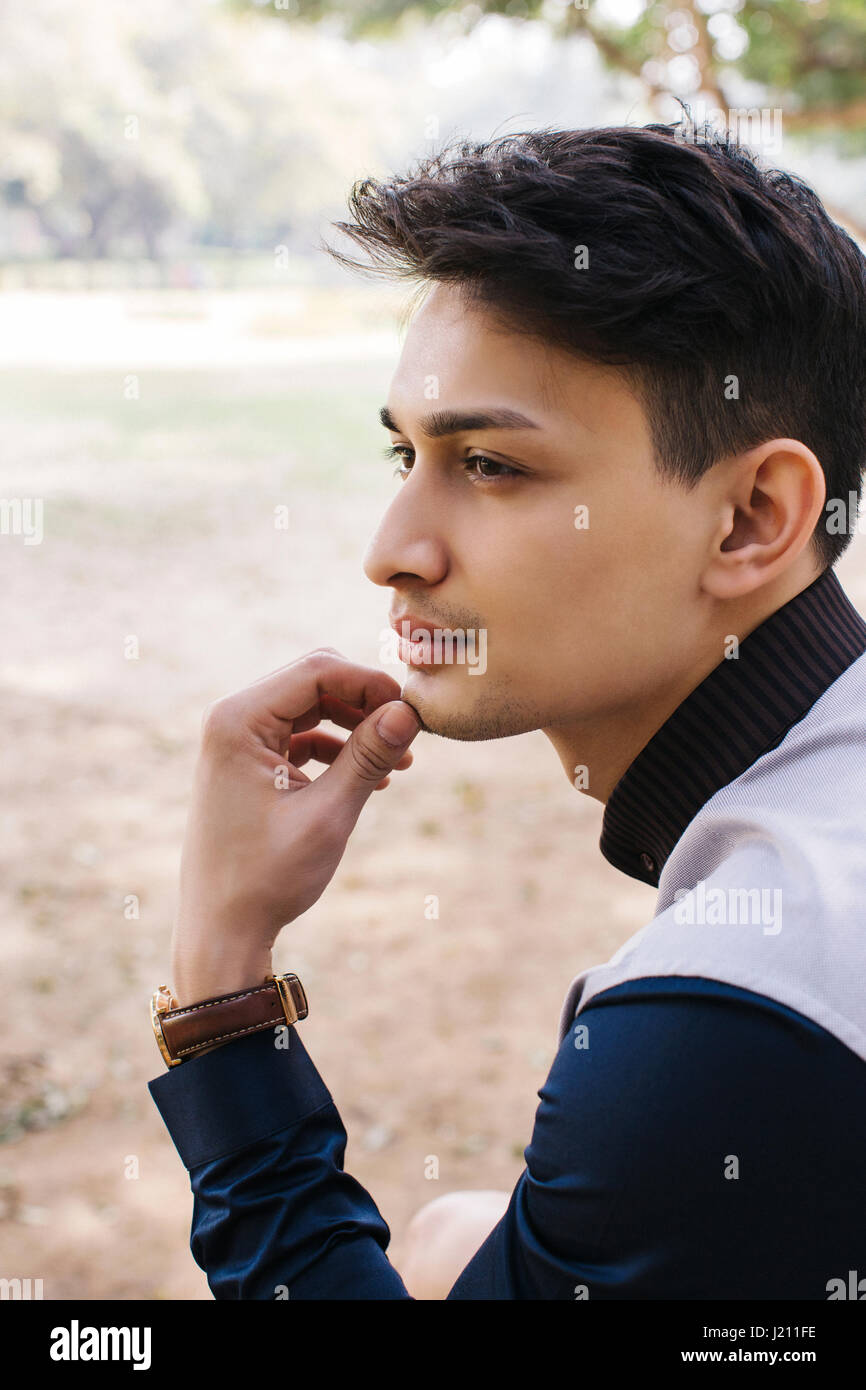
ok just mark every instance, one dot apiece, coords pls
pixel 433 1036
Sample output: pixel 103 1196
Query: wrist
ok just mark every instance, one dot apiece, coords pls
pixel 210 969
pixel 190 1027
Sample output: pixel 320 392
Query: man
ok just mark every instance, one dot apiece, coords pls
pixel 629 416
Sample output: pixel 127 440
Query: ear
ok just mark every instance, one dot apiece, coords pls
pixel 771 500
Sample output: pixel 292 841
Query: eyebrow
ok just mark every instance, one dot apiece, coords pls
pixel 442 422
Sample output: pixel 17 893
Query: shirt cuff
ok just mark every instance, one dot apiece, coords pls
pixel 237 1094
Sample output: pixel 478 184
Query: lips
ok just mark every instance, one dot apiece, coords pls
pixel 414 624
pixel 413 653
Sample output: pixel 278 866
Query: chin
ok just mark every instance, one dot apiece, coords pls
pixel 451 711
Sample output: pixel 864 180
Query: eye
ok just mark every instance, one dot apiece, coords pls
pixel 504 470
pixel 482 460
pixel 396 451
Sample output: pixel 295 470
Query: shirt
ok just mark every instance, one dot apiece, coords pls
pixel 701 1133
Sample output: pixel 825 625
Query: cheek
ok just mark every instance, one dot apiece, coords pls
pixel 583 603
pixel 557 565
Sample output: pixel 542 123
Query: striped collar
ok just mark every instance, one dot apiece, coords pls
pixel 741 710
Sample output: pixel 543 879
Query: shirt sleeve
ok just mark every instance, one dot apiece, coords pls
pixel 693 1140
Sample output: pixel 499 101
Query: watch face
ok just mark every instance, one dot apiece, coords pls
pixel 155 1010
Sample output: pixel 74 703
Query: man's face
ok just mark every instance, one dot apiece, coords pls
pixel 563 550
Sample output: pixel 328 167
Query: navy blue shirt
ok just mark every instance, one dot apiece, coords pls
pixel 701 1142
pixel 693 1140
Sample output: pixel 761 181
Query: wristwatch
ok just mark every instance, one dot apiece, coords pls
pixel 182 1030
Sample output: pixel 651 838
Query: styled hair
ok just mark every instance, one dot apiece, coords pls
pixel 732 302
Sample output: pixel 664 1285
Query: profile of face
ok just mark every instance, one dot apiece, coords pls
pixel 553 534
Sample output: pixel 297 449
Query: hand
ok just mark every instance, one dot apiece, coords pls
pixel 262 839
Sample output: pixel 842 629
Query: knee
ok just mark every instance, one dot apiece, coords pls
pixel 443 1235
pixel 430 1219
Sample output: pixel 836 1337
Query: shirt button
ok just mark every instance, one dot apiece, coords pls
pixel 648 862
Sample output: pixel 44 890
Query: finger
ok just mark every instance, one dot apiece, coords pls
pixel 332 708
pixel 285 667
pixel 366 758
pixel 324 748
pixel 275 702
pixel 324 673
pixel 321 748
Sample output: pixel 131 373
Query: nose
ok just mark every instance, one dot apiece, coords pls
pixel 409 541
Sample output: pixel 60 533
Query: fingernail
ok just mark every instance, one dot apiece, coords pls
pixel 397 724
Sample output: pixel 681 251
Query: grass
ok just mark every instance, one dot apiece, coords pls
pixel 73 435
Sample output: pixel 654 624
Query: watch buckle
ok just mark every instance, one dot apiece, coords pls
pixel 290 1008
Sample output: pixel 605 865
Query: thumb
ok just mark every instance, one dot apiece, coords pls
pixel 373 750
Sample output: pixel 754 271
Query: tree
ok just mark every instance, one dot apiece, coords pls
pixel 809 56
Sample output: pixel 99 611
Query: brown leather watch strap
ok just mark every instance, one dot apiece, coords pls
pixel 186 1029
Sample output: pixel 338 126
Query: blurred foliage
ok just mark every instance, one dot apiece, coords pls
pixel 814 54
pixel 135 131
pixel 128 130
pixel 808 55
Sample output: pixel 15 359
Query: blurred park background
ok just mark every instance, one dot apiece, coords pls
pixel 178 360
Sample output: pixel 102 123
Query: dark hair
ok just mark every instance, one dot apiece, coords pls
pixel 701 267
